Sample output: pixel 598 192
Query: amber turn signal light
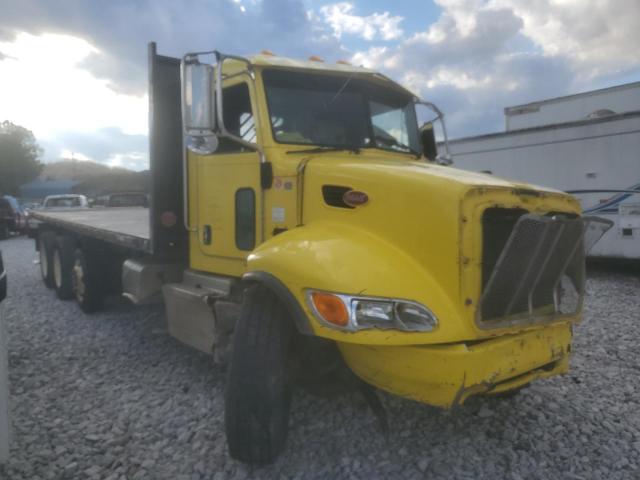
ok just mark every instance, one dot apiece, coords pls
pixel 331 308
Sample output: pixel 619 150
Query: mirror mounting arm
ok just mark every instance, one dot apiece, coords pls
pixel 446 160
pixel 222 130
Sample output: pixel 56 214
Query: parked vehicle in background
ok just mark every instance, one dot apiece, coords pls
pixel 56 202
pixel 4 374
pixel 65 201
pixel 3 279
pixel 301 216
pixel 127 199
pixel 12 217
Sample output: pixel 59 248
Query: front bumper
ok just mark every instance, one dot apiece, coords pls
pixel 446 375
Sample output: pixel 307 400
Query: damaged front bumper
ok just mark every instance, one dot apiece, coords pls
pixel 446 375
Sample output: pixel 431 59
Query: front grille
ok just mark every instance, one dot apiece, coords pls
pixel 533 266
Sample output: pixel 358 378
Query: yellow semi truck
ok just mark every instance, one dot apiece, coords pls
pixel 299 215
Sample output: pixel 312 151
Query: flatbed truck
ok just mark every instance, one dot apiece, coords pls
pixel 299 218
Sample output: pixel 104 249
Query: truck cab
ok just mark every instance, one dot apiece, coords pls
pixel 312 191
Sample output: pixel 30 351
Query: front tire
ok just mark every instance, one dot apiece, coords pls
pixel 258 390
pixel 87 287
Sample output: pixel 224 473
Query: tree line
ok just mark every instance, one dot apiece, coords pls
pixel 19 157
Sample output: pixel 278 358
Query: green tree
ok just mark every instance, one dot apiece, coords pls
pixel 19 157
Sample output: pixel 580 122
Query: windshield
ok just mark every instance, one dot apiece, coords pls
pixel 336 111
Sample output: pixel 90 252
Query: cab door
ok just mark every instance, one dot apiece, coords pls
pixel 228 186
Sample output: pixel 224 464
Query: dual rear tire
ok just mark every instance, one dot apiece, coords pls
pixel 66 268
pixel 62 263
pixel 87 287
pixel 46 241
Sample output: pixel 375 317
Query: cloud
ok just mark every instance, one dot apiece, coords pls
pixel 476 58
pixel 597 36
pixel 43 88
pixel 110 146
pixel 120 30
pixel 341 19
pixel 95 56
pixel 481 56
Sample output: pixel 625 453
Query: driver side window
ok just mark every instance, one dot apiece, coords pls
pixel 238 118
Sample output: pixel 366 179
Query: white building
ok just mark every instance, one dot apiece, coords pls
pixel 573 108
pixel 587 143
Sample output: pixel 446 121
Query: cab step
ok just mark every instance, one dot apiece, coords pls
pixel 198 312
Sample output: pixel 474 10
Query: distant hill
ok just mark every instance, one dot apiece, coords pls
pixel 78 170
pixel 96 179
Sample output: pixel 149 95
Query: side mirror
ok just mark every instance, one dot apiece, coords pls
pixel 428 139
pixel 199 106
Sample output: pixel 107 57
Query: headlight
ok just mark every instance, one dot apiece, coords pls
pixel 345 312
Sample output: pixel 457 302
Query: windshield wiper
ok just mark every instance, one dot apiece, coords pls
pixel 345 148
pixel 392 142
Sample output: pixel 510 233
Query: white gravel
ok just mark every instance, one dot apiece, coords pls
pixel 111 395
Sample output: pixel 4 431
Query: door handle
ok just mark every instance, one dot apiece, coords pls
pixel 206 235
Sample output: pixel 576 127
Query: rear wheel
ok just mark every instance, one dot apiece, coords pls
pixel 62 262
pixel 258 390
pixel 87 287
pixel 45 246
pixel 4 231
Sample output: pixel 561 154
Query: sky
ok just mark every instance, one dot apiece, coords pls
pixel 74 71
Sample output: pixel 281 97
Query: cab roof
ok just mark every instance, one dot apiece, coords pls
pixel 275 61
pixel 263 60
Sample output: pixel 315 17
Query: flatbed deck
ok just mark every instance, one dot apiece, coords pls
pixel 126 226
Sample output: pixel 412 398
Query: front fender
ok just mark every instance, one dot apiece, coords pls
pixel 340 258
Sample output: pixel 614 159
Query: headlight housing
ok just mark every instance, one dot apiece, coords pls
pixel 353 313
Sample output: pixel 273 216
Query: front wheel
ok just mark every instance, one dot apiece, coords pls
pixel 258 390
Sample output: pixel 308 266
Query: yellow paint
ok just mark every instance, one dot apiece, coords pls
pixel 418 238
pixel 445 375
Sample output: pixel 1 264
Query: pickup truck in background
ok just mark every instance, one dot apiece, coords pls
pixel 67 201
pixel 300 215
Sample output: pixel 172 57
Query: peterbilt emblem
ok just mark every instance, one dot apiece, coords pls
pixel 353 198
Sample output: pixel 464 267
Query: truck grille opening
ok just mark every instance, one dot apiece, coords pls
pixel 497 225
pixel 334 195
pixel 532 268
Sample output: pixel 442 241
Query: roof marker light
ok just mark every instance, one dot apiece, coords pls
pixel 343 62
pixel 315 58
pixel 268 53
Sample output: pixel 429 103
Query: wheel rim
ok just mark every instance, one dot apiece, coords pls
pixel 78 280
pixel 57 268
pixel 44 267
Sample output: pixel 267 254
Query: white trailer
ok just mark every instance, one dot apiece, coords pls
pixel 596 158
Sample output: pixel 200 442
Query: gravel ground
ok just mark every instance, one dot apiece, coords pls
pixel 111 395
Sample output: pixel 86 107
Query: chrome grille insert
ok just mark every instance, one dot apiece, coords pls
pixel 539 274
